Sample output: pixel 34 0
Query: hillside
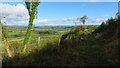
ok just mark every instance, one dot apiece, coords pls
pixel 99 47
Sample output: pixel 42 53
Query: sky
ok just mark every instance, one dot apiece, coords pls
pixel 62 0
pixel 59 13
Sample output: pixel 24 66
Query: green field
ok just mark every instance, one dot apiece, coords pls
pixel 93 46
pixel 15 36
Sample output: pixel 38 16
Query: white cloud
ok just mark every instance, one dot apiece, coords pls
pixel 13 13
pixel 43 21
pixel 97 20
pixel 79 0
pixel 19 0
pixel 70 19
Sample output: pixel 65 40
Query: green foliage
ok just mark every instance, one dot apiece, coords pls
pixel 77 33
pixel 102 25
pixel 74 34
pixel 83 19
pixel 4 33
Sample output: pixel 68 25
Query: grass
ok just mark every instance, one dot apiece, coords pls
pixel 16 35
pixel 54 55
pixel 90 51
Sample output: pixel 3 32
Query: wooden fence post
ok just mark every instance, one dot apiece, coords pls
pixel 59 42
pixel 39 41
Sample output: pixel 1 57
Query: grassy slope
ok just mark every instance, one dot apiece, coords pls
pixel 99 48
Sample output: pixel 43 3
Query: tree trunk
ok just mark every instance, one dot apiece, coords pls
pixel 29 29
pixel 32 8
pixel 8 49
pixel 5 42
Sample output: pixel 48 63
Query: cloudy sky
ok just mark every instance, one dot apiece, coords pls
pixel 59 13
